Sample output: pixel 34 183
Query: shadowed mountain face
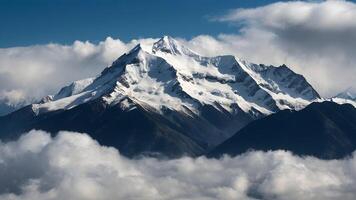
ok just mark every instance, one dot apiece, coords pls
pixel 132 130
pixel 325 130
pixel 164 98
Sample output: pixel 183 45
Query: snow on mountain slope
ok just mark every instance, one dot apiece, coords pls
pixel 347 96
pixel 344 101
pixel 169 75
pixel 73 89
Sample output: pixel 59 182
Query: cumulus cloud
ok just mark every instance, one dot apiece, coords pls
pixel 36 71
pixel 12 97
pixel 74 166
pixel 316 39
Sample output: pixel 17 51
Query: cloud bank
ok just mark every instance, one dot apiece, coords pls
pixel 74 166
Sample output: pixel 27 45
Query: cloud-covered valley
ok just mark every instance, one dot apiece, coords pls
pixel 74 166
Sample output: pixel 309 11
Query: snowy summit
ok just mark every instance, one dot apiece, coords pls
pixel 171 75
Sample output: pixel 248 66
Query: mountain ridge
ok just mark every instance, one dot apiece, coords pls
pixel 325 130
pixel 202 100
pixel 220 62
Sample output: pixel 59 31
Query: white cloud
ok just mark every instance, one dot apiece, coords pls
pixel 12 97
pixel 36 71
pixel 73 166
pixel 316 39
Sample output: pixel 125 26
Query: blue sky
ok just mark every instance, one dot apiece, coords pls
pixel 29 22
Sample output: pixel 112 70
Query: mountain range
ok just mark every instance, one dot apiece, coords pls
pixel 165 99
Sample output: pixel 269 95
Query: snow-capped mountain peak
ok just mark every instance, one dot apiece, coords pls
pixel 166 44
pixel 346 97
pixel 349 93
pixel 170 75
pixel 169 45
pixel 175 90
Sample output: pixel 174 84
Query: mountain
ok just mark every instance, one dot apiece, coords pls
pixel 347 96
pixel 349 93
pixel 326 130
pixel 6 107
pixel 165 98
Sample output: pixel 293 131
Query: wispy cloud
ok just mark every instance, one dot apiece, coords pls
pixel 74 166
